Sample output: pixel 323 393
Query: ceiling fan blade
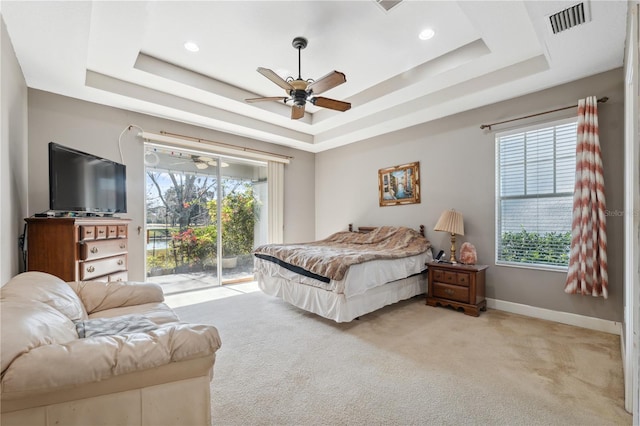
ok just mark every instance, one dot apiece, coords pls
pixel 272 98
pixel 331 104
pixel 271 75
pixel 297 112
pixel 329 81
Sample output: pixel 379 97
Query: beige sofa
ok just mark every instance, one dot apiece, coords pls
pixel 137 364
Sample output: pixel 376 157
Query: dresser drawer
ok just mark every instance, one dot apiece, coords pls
pixel 101 232
pixel 122 231
pixel 98 249
pixel 120 276
pixel 450 277
pixel 451 292
pixel 117 277
pixel 87 233
pixel 112 231
pixel 97 268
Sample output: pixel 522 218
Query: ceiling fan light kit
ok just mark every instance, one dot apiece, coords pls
pixel 302 91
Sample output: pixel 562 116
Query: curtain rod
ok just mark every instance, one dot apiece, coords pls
pixel 483 126
pixel 257 151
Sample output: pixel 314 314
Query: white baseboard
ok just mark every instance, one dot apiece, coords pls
pixel 591 323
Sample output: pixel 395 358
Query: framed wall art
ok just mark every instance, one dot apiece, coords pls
pixel 399 184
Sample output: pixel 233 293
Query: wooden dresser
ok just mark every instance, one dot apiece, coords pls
pixel 78 248
pixel 458 286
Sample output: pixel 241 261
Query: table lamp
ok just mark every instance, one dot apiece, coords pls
pixel 451 221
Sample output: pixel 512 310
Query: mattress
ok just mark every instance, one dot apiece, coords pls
pixel 358 279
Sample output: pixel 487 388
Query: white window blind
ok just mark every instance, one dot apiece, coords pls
pixel 534 194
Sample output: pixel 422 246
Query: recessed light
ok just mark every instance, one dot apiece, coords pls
pixel 191 46
pixel 426 34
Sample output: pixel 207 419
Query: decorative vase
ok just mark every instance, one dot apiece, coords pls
pixel 468 254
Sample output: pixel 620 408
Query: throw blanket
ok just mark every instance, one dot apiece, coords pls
pixel 332 256
pixel 125 324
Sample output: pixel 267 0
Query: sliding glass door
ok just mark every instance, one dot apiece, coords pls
pixel 242 217
pixel 205 214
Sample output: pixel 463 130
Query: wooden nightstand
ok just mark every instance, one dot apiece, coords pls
pixel 458 286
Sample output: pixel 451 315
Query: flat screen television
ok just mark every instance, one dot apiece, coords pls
pixel 85 183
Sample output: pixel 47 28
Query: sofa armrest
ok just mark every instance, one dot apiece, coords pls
pixel 99 358
pixel 98 296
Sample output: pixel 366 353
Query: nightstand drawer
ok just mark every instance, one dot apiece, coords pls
pixel 451 292
pixel 462 279
pixel 450 277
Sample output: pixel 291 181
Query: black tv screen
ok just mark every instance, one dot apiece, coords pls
pixel 81 182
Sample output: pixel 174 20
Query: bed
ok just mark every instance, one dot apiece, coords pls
pixel 348 274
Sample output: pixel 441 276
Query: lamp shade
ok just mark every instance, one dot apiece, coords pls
pixel 450 221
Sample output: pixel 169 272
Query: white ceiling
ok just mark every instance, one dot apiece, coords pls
pixel 130 55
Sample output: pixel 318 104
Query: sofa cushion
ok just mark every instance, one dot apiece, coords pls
pixel 45 288
pixel 26 325
pixel 99 358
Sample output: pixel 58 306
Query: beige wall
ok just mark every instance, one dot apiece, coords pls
pixel 13 158
pixel 457 170
pixel 457 162
pixel 95 129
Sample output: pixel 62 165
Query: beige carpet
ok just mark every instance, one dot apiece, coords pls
pixel 407 364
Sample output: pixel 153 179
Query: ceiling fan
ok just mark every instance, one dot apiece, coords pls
pixel 302 91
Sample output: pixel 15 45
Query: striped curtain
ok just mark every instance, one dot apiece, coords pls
pixel 588 262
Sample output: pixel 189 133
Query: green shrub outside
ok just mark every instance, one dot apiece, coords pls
pixel 239 213
pixel 196 244
pixel 531 247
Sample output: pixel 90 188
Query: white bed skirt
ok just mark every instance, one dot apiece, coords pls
pixel 336 306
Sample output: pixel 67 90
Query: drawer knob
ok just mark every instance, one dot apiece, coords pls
pixel 120 262
pixel 101 231
pixel 448 291
pixel 91 269
pixel 122 245
pixel 94 250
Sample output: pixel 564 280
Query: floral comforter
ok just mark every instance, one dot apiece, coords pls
pixel 332 256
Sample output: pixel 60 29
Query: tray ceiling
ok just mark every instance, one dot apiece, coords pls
pixel 131 55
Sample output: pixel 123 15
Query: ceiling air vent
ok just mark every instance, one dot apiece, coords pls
pixel 570 17
pixel 388 4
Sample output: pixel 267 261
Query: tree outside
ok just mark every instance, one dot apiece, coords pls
pixel 182 221
pixel 239 214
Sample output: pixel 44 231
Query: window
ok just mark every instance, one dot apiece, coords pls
pixel 535 169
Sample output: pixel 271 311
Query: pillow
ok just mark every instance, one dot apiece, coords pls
pixel 101 296
pixel 45 288
pixel 125 324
